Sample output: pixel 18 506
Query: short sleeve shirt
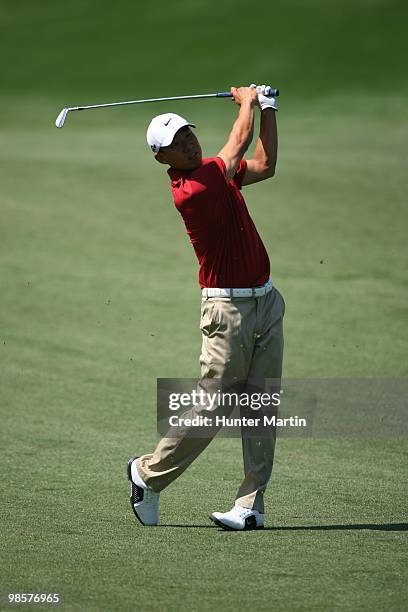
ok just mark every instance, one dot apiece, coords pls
pixel 228 247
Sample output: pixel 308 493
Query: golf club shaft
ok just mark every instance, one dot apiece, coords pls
pixel 223 94
pixel 59 122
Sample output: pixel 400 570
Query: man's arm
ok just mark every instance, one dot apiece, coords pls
pixel 242 131
pixel 262 165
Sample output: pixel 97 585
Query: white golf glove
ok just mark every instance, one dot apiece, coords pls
pixel 263 92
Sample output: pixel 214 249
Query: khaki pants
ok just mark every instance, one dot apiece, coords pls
pixel 242 339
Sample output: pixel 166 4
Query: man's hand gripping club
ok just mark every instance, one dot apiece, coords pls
pixel 264 98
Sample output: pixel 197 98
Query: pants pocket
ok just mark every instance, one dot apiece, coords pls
pixel 283 301
pixel 207 320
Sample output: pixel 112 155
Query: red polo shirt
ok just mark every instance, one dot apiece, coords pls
pixel 229 250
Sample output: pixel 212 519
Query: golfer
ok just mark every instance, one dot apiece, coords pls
pixel 242 311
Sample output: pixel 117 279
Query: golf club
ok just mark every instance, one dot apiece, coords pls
pixel 60 120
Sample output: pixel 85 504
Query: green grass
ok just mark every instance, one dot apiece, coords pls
pixel 99 297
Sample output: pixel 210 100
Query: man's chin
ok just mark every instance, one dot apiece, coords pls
pixel 191 165
pixel 188 164
pixel 196 163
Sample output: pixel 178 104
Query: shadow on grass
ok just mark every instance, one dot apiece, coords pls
pixel 187 526
pixel 369 526
pixel 357 526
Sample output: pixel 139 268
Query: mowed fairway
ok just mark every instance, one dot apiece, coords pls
pixel 99 297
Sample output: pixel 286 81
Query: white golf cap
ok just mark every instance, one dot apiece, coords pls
pixel 162 130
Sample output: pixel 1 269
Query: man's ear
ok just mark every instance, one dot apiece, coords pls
pixel 161 158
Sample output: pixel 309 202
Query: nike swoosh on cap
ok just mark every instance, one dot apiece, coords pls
pixel 167 123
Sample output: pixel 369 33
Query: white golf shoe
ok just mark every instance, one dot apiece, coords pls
pixel 239 519
pixel 144 501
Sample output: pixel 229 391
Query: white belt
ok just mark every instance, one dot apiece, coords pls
pixel 208 292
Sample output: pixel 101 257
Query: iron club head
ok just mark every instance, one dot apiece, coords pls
pixel 60 120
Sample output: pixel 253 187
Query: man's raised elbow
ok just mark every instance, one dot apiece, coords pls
pixel 269 171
